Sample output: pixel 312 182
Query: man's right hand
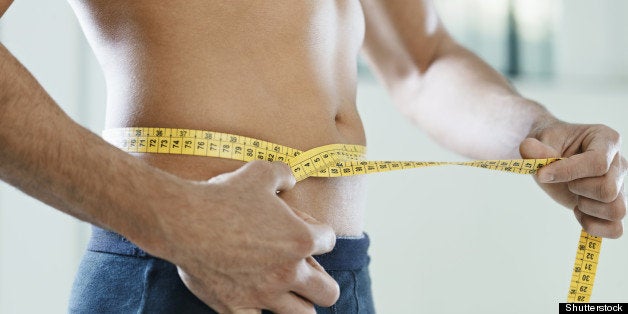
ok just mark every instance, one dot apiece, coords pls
pixel 240 248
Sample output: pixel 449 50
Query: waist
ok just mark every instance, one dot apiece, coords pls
pixel 350 253
pixel 338 202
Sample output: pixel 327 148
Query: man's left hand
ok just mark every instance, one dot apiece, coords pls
pixel 590 178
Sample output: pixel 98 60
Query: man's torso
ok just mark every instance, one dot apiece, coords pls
pixel 280 71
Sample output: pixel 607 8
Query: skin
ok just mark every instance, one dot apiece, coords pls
pixel 236 67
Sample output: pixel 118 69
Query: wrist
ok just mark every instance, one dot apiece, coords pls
pixel 156 200
pixel 542 120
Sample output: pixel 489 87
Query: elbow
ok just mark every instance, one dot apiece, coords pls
pixel 408 76
pixel 405 89
pixel 412 79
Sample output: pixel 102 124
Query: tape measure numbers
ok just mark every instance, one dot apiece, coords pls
pixel 334 160
pixel 584 268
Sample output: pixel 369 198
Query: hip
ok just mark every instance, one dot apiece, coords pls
pixel 115 276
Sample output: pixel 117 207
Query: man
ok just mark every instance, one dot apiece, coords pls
pixel 284 72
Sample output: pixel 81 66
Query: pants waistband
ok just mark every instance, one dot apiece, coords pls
pixel 348 254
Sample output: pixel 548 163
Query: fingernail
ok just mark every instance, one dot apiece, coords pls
pixel 546 177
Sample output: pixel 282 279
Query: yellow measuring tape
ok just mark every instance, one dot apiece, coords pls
pixel 335 160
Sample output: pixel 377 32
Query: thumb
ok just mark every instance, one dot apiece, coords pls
pixel 532 148
pixel 535 149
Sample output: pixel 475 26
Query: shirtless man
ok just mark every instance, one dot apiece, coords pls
pixel 272 70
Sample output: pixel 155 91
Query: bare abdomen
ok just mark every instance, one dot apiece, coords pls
pixel 280 73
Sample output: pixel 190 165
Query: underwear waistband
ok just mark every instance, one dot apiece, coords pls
pixel 348 254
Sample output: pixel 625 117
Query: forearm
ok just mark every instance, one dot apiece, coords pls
pixel 466 105
pixel 50 157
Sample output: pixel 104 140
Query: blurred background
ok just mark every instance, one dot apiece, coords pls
pixel 445 240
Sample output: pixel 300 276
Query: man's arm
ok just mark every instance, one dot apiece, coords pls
pixel 47 155
pixel 4 5
pixel 468 107
pixel 449 92
pixel 50 157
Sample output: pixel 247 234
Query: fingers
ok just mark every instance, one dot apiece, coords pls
pixel 603 139
pixel 312 281
pixel 276 175
pixel 290 303
pixel 601 203
pixel 533 148
pixel 613 211
pixel 599 146
pixel 284 178
pixel 599 227
pixel 315 284
pixel 588 164
pixel 591 181
pixel 246 311
pixel 287 303
pixel 605 188
pixel 322 237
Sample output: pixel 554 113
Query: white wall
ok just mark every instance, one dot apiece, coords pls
pixel 445 240
pixel 592 40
